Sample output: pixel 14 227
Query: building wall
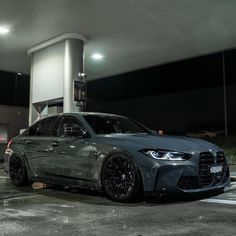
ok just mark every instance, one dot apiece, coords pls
pixel 14 118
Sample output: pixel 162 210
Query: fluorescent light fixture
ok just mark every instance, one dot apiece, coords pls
pixel 4 30
pixel 97 56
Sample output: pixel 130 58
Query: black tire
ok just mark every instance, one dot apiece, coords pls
pixel 18 172
pixel 120 178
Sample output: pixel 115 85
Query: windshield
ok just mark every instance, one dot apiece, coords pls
pixel 113 124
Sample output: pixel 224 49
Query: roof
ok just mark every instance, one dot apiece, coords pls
pixel 131 34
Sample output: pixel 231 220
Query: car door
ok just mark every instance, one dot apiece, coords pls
pixel 70 150
pixel 37 146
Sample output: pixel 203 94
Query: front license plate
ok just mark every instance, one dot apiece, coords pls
pixel 215 169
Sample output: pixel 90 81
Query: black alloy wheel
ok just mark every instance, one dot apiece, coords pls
pixel 17 171
pixel 120 178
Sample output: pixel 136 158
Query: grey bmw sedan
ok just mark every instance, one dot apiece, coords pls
pixel 115 155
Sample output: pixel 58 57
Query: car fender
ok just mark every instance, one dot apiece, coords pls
pixel 24 159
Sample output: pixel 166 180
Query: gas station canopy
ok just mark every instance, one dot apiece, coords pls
pixel 125 35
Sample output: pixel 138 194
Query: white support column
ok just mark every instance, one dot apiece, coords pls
pixel 55 65
pixel 74 56
pixel 32 110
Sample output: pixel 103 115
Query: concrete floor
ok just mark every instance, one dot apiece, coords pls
pixel 24 211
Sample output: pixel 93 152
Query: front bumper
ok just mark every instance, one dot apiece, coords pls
pixel 180 177
pixel 187 193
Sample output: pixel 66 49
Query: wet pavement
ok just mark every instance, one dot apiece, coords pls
pixel 24 211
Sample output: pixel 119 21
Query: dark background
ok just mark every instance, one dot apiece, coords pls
pixel 14 89
pixel 177 97
pixel 191 74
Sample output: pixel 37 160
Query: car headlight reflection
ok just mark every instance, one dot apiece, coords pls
pixel 166 155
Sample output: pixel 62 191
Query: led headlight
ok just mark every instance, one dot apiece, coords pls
pixel 166 155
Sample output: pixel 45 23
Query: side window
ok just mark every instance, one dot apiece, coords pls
pixel 71 126
pixel 44 127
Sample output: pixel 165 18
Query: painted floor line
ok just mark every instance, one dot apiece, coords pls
pixel 4 177
pixel 232 186
pixel 221 201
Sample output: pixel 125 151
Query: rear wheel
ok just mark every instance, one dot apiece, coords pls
pixel 120 178
pixel 18 171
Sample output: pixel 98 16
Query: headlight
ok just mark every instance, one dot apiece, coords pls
pixel 166 155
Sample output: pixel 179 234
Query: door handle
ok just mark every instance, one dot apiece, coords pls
pixel 28 141
pixel 55 144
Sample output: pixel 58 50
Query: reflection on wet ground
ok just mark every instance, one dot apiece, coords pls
pixel 9 191
pixel 58 211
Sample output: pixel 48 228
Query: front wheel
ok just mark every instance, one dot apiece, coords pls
pixel 120 178
pixel 18 171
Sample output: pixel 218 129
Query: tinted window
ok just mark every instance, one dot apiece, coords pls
pixel 113 124
pixel 45 127
pixel 70 124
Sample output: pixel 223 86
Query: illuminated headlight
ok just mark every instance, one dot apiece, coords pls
pixel 166 155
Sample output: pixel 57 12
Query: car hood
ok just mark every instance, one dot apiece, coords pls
pixel 167 142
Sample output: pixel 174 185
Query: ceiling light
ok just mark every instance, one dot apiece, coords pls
pixel 97 56
pixel 4 30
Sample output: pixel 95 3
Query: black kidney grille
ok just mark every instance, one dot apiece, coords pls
pixel 206 160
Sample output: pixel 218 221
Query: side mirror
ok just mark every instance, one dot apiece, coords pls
pixel 73 132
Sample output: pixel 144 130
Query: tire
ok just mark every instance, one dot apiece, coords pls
pixel 18 172
pixel 120 178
